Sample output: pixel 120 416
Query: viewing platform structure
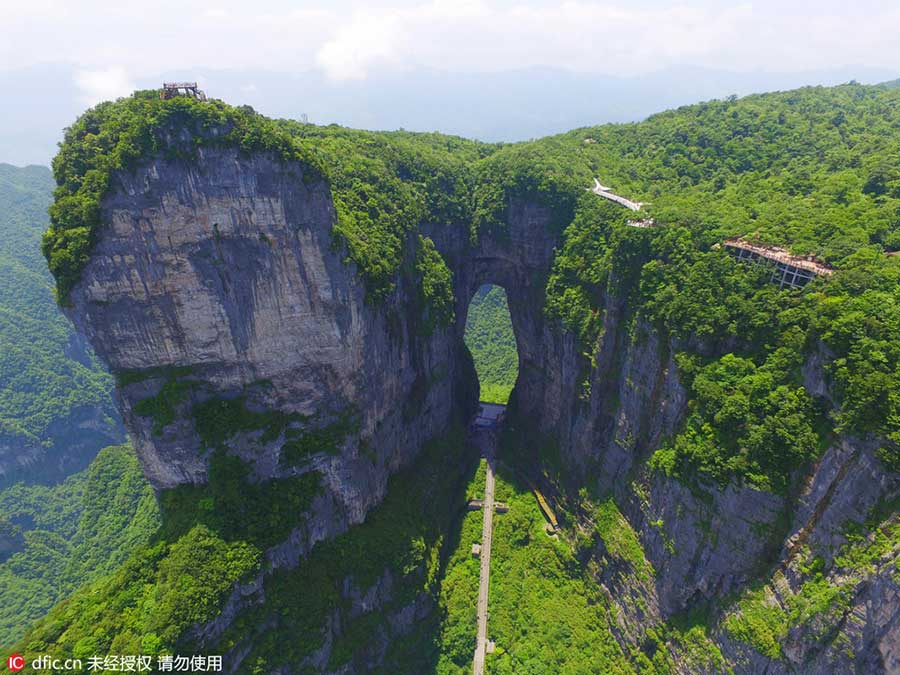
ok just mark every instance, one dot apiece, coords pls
pixel 788 270
pixel 175 89
pixel 607 193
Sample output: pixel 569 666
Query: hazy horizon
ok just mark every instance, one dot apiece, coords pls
pixel 495 70
pixel 504 106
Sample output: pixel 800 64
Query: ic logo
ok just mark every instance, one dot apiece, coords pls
pixel 15 662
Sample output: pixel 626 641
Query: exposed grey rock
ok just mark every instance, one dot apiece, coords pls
pixel 224 267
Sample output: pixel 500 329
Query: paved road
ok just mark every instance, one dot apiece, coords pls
pixel 484 583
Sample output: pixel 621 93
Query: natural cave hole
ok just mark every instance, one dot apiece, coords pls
pixel 490 338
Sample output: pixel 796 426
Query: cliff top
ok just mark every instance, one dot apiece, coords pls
pixel 811 170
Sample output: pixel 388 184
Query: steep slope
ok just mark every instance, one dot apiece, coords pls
pixel 56 407
pixel 67 535
pixel 284 307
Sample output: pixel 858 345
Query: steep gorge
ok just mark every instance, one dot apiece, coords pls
pixel 237 324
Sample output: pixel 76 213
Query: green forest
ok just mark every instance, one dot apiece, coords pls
pixel 60 537
pixel 814 170
pixel 489 337
pixel 50 383
pixel 74 515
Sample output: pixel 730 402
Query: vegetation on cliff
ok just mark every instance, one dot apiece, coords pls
pixel 55 398
pixel 181 568
pixel 547 614
pixel 396 558
pixel 71 534
pixel 812 169
pixel 383 185
pixel 771 375
pixel 823 593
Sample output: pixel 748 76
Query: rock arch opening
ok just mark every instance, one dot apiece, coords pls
pixel 491 341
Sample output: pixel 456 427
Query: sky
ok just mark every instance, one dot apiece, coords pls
pixel 489 69
pixel 112 44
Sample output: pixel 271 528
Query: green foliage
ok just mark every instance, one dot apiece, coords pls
pixel 687 635
pixel 162 406
pixel 490 338
pixel 744 421
pixel 541 171
pixel 813 170
pixel 55 397
pixel 262 513
pixel 759 621
pixel 192 580
pixel 211 537
pixel 383 185
pixel 357 634
pixel 621 540
pixel 115 136
pixel 458 597
pixel 546 614
pixel 301 444
pixel 823 598
pixel 146 606
pixel 403 538
pixel 435 286
pixel 218 419
pixel 74 533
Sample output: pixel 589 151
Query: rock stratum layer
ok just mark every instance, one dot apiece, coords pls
pixel 219 278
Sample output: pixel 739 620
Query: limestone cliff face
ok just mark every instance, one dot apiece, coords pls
pixel 221 274
pixel 706 546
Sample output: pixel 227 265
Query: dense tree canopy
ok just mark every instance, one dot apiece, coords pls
pixel 54 394
pixel 814 170
pixel 489 336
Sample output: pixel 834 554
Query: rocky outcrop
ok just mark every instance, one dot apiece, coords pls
pixel 219 279
pixel 706 545
pixel 222 274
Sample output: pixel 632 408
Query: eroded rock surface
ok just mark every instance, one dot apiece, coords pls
pixel 221 275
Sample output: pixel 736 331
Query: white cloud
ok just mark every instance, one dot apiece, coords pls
pixel 367 40
pixel 577 35
pixel 103 85
pixel 348 39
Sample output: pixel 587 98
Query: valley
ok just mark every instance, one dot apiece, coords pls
pixel 288 314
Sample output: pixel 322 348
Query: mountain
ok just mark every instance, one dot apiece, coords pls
pixel 715 455
pixel 490 106
pixel 59 538
pixel 62 522
pixel 56 408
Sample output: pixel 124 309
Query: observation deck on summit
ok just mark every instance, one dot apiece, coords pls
pixel 187 89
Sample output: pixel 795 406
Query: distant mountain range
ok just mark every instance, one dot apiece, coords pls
pixel 502 106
